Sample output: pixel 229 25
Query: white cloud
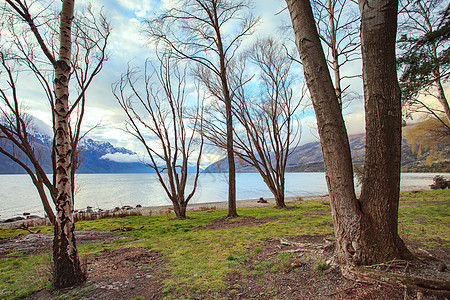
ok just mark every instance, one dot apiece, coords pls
pixel 355 122
pixel 122 157
pixel 140 8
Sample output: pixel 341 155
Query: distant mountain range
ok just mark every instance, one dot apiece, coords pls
pixel 308 158
pixel 95 156
pixel 103 157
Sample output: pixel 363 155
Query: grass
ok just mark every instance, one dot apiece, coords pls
pixel 199 259
pixel 424 218
pixel 23 275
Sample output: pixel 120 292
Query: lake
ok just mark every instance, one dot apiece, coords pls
pixel 106 191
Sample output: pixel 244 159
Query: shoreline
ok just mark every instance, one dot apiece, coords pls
pixel 248 203
pixel 159 210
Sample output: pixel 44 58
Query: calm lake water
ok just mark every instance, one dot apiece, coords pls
pixel 106 191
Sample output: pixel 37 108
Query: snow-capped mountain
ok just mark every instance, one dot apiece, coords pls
pixel 95 157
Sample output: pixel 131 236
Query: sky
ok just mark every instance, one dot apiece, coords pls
pixel 127 45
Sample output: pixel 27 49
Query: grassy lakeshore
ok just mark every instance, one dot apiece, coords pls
pixel 201 254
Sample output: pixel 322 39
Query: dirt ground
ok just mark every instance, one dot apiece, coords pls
pixel 128 273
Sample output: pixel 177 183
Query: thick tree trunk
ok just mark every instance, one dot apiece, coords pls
pixel 279 198
pixel 179 207
pixel 67 269
pixel 276 189
pixel 381 183
pixel 356 240
pixel 332 132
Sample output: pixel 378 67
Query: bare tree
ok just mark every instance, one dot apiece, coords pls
pixel 196 30
pixel 424 64
pixel 160 108
pixel 424 57
pixel 365 228
pixel 337 27
pixel 33 47
pixel 267 130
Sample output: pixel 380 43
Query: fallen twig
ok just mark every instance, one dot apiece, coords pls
pixel 355 285
pixel 126 228
pixel 25 227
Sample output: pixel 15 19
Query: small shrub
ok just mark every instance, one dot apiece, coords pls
pixel 320 266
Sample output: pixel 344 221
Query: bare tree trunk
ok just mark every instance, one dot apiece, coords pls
pixel 67 269
pixel 357 238
pixel 179 208
pixel 381 183
pixel 48 209
pixel 183 206
pixel 232 209
pixel 334 52
pixel 437 73
pixel 276 189
pixel 279 198
pixel 332 132
pixel 442 99
pixel 440 89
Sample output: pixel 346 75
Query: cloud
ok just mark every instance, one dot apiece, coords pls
pixel 355 122
pixel 122 157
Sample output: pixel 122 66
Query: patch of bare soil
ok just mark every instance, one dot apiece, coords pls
pixel 32 244
pixel 287 269
pixel 115 274
pixel 124 273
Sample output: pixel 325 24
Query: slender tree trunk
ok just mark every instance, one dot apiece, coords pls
pixel 232 209
pixel 48 209
pixel 381 183
pixel 357 240
pixel 334 52
pixel 67 269
pixel 442 99
pixel 436 72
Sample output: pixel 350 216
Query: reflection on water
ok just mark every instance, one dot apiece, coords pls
pixel 106 191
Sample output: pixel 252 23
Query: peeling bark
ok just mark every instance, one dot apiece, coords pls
pixel 67 269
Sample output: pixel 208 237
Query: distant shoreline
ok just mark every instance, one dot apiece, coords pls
pixel 166 209
pixel 249 203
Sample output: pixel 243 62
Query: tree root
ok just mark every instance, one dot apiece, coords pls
pixel 436 288
pixel 304 247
